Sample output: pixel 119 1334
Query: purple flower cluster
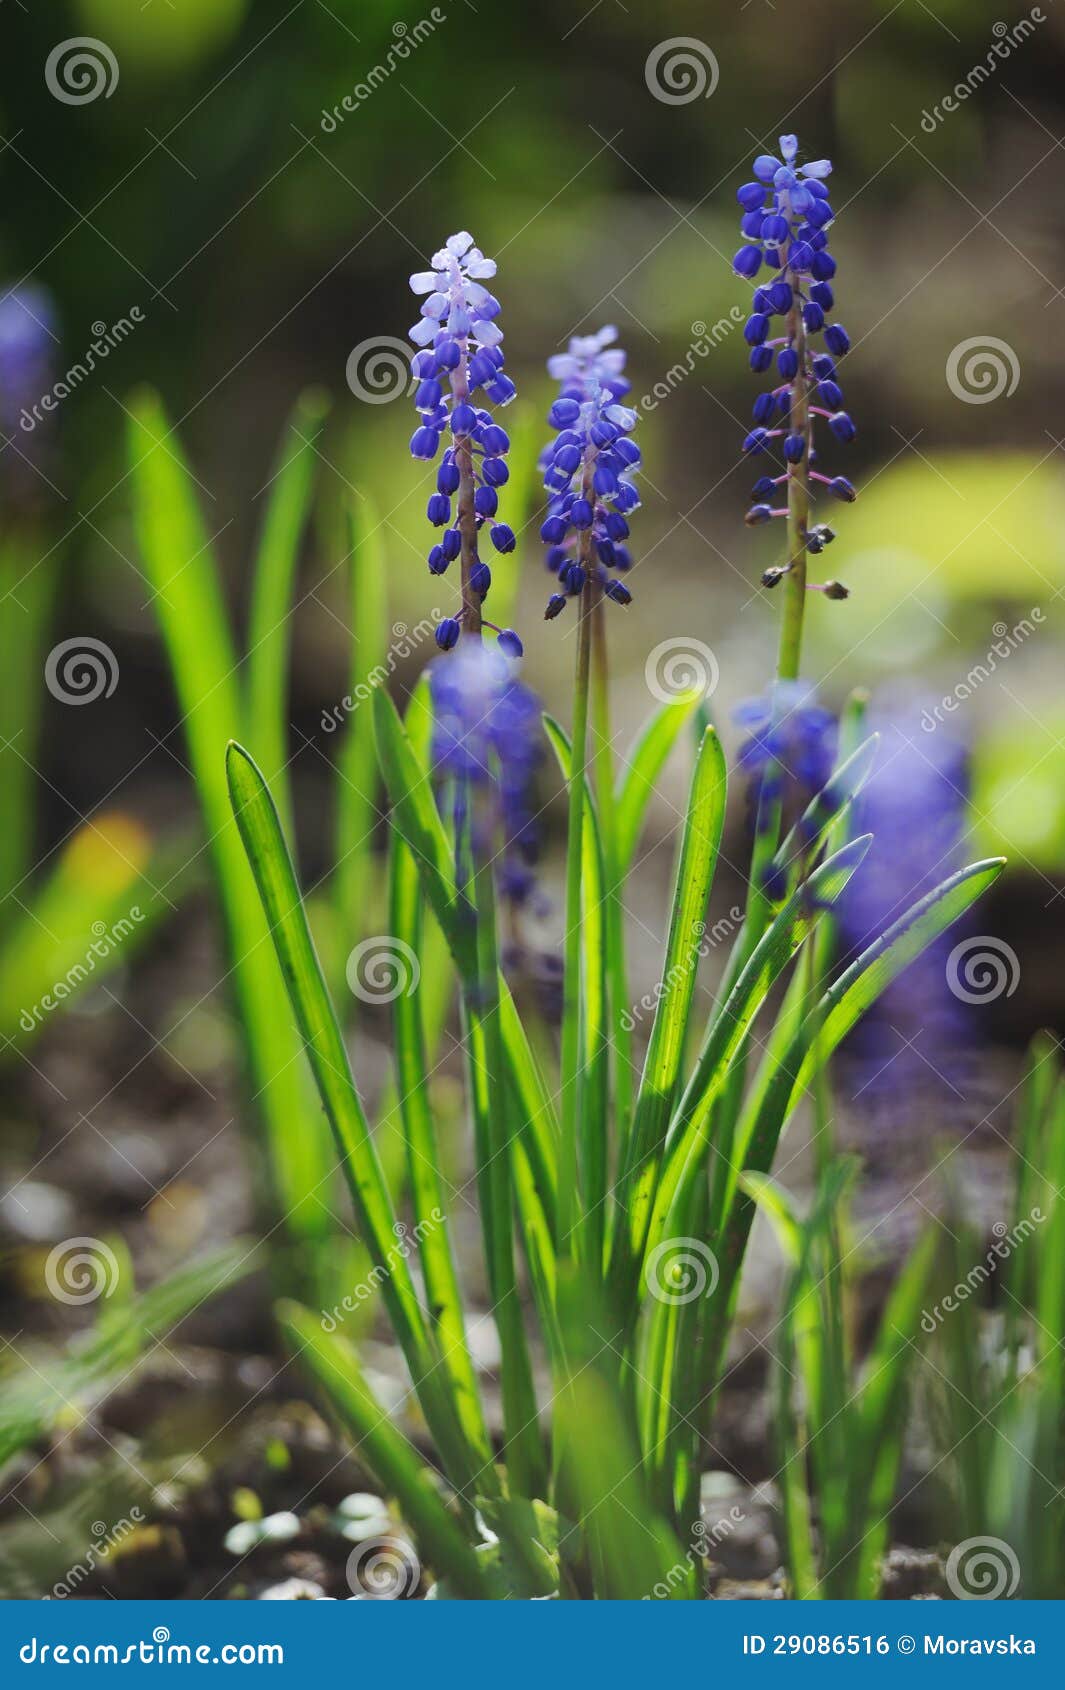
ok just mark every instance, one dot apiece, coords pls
pixel 460 352
pixel 486 732
pixel 588 469
pixel 786 218
pixel 792 740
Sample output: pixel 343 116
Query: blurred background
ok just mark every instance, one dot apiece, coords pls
pixel 207 209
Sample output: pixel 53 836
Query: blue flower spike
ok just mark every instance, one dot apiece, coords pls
pixel 786 219
pixel 588 471
pixel 459 372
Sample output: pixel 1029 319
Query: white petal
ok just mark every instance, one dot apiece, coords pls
pixel 487 334
pixel 423 332
pixel 423 281
pixel 482 267
pixel 460 243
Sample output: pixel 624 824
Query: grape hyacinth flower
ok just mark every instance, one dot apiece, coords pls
pixel 785 222
pixel 487 742
pixel 588 469
pixel 460 353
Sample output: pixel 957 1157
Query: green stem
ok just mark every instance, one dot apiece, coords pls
pixel 568 1196
pixel 617 972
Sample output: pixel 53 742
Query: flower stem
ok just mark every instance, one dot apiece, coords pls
pixel 789 656
pixel 614 918
pixel 571 997
pixel 466 515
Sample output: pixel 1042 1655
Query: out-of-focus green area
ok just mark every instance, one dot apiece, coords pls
pixel 264 231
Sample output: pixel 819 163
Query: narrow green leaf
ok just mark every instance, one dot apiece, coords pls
pixel 273 582
pixel 642 769
pixel 188 601
pixel 395 1462
pixel 260 829
pixel 357 781
pixel 700 843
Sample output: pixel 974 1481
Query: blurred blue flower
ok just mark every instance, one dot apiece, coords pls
pixel 487 732
pixel 914 804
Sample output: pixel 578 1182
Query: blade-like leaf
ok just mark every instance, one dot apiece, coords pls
pixel 642 769
pixel 395 1462
pixel 273 580
pixel 275 878
pixel 188 601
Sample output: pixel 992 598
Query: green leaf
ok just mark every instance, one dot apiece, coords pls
pixel 700 843
pixel 643 767
pixel 260 829
pixel 423 1167
pixel 188 601
pixel 687 1143
pixel 394 1462
pixel 594 1076
pixel 781 1085
pixel 357 780
pixel 273 581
